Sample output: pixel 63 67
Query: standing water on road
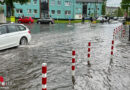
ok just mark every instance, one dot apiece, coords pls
pixel 53 44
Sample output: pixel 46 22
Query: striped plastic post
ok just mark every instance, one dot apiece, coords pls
pixel 44 76
pixel 73 63
pixel 121 26
pixel 114 33
pixel 89 49
pixel 112 48
pixel 116 30
pixel 2 81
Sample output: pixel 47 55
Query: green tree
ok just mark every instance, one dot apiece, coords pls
pixel 125 4
pixel 10 3
pixel 104 7
pixel 120 12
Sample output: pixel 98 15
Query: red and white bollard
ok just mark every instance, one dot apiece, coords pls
pixel 2 81
pixel 112 48
pixel 123 33
pixel 116 30
pixel 114 33
pixel 73 63
pixel 89 49
pixel 44 76
pixel 73 67
pixel 121 26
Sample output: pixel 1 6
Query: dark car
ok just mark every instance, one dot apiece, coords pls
pixel 45 21
pixel 87 18
pixel 128 19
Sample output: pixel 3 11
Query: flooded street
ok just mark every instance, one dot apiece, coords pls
pixel 53 44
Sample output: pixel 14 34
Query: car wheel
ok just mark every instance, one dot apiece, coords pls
pixel 50 22
pixel 19 21
pixel 23 41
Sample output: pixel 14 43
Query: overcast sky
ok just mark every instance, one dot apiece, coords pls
pixel 115 3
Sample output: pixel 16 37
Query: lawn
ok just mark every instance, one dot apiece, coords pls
pixel 8 20
pixel 128 22
pixel 56 21
pixel 67 21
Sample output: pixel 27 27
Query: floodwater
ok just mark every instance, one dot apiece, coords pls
pixel 53 44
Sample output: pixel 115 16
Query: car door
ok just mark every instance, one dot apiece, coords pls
pixel 13 35
pixel 22 20
pixel 26 20
pixel 3 37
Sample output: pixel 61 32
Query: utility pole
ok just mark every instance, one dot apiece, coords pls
pixel 128 11
pixel 96 8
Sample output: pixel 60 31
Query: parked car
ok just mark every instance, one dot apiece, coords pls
pixel 115 18
pixel 128 19
pixel 45 21
pixel 12 35
pixel 25 20
pixel 102 19
pixel 121 19
pixel 87 18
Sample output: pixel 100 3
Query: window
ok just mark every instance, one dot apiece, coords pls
pixel 21 28
pixel 59 2
pixel 29 11
pixel 19 11
pixel 89 12
pixel 67 12
pixel 3 30
pixel 35 11
pixel 53 11
pixel 53 2
pixel 58 11
pixel 12 28
pixel 35 1
pixel 67 3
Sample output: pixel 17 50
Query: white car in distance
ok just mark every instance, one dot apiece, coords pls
pixel 12 35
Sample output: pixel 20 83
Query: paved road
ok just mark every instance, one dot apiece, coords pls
pixel 53 44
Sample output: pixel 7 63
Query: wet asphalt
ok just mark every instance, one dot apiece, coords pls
pixel 53 44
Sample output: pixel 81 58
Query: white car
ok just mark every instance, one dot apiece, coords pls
pixel 12 35
pixel 102 19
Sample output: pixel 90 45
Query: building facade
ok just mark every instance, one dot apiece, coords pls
pixel 111 10
pixel 74 9
pixel 30 9
pixel 4 8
